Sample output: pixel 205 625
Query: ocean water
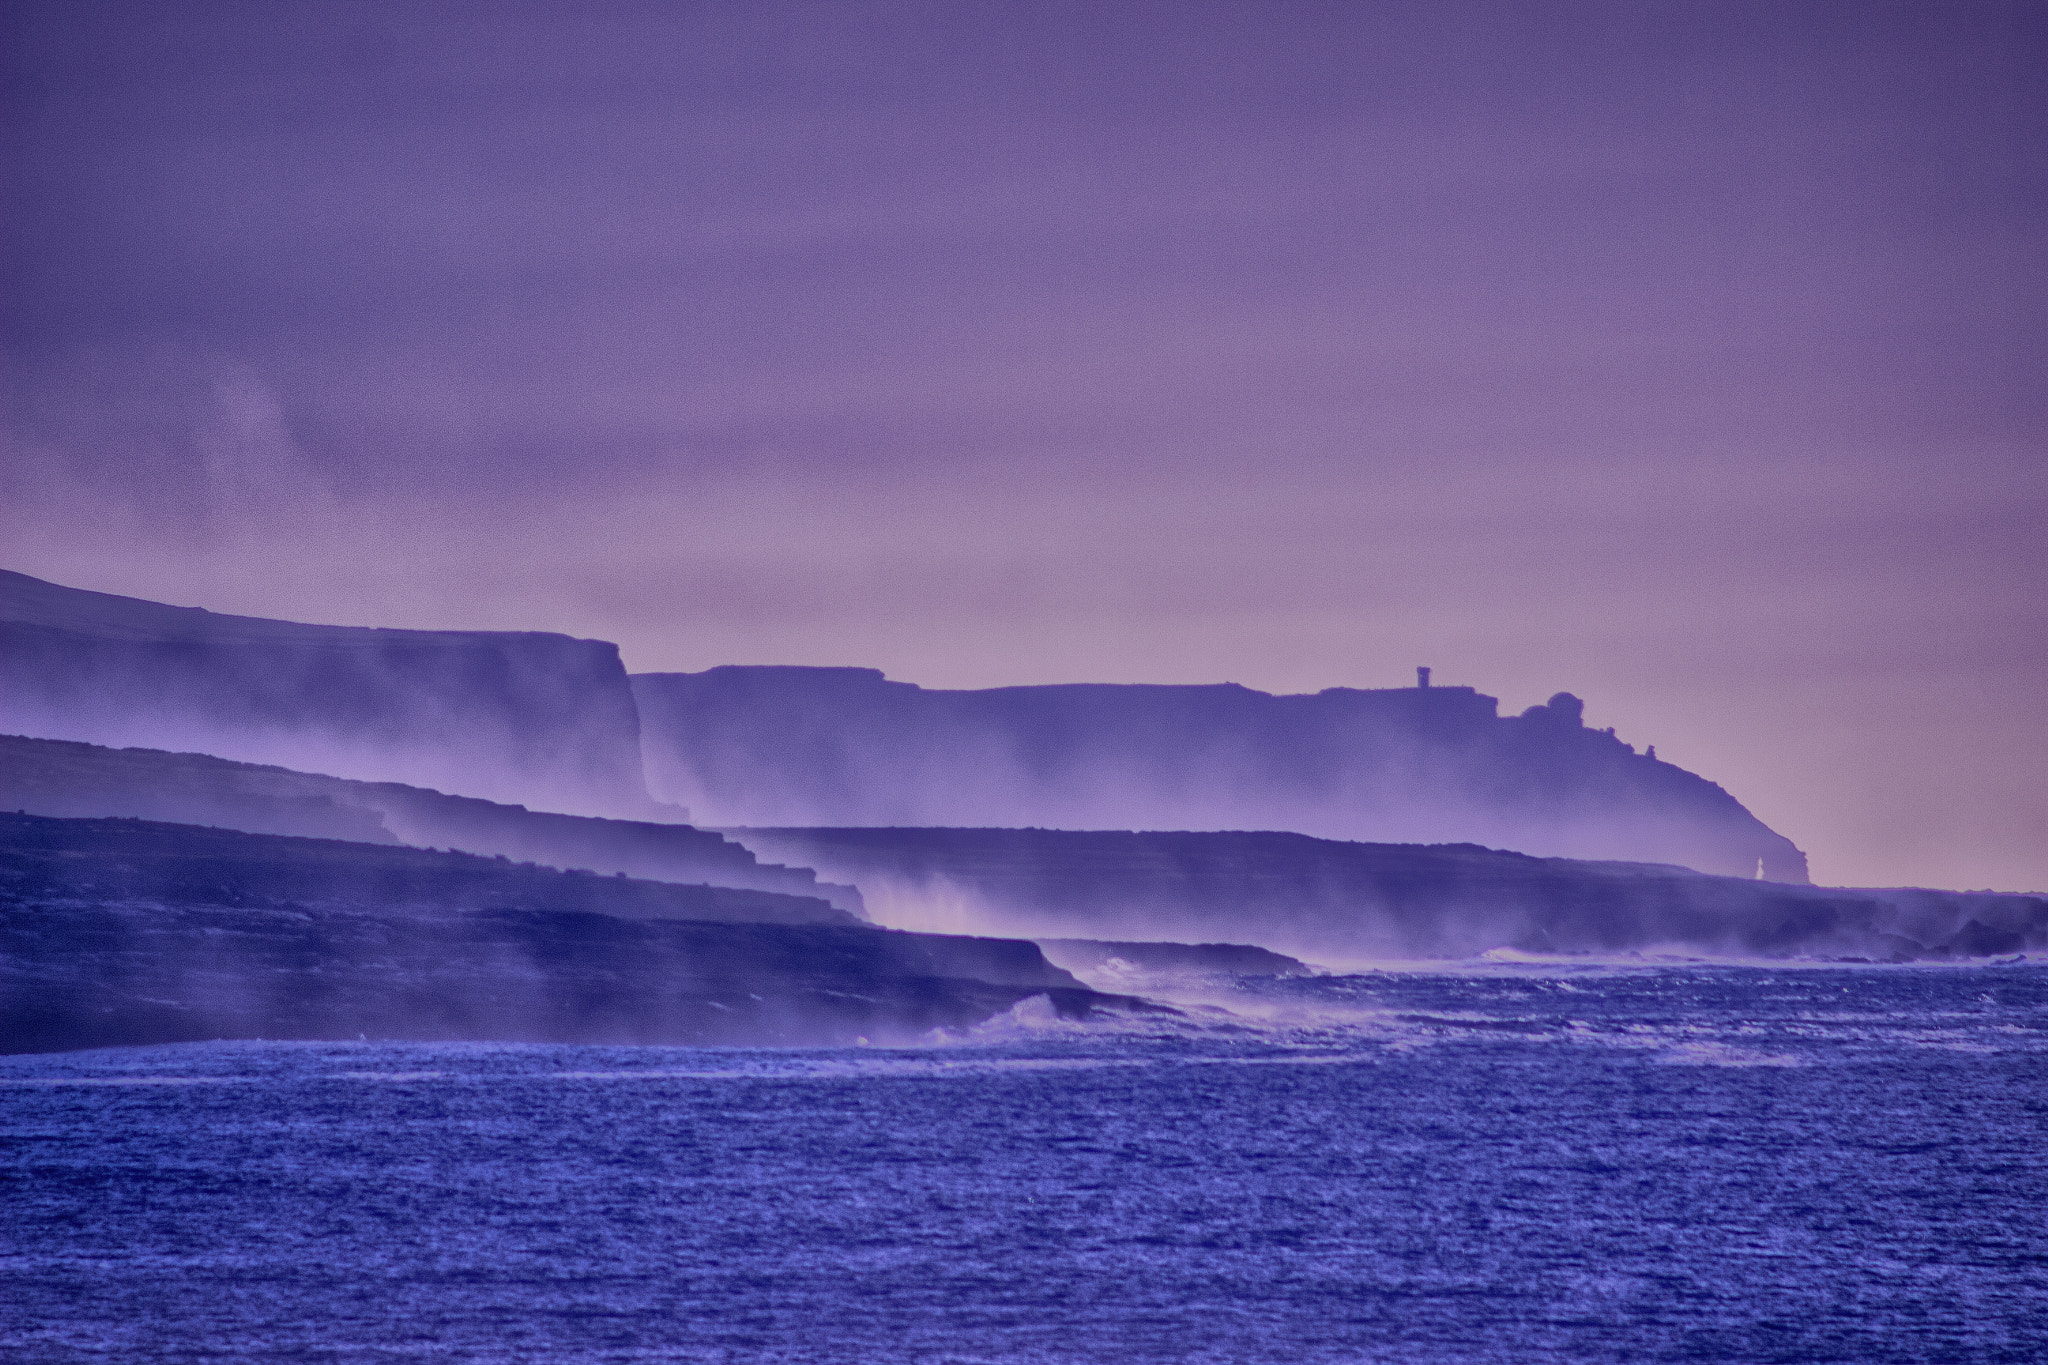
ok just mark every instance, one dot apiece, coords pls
pixel 1508 1163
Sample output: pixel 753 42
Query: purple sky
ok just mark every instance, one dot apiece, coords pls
pixel 1689 357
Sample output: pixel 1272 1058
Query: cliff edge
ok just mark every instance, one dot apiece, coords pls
pixel 543 720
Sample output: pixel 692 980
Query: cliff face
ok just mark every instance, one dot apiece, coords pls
pixel 1336 902
pixel 126 932
pixel 64 778
pixel 844 746
pixel 539 719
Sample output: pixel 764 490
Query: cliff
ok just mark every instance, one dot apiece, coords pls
pixel 847 747
pixel 543 720
pixel 65 778
pixel 127 932
pixel 1333 901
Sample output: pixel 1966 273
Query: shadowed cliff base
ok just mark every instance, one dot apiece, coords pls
pixel 787 746
pixel 1329 901
pixel 130 932
pixel 74 780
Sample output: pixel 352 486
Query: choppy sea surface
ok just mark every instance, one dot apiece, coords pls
pixel 1510 1163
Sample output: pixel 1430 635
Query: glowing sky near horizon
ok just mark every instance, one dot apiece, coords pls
pixel 1687 357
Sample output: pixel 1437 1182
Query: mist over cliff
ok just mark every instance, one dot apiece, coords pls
pixel 554 724
pixel 847 747
pixel 70 779
pixel 1068 814
pixel 125 932
pixel 542 720
pixel 1337 902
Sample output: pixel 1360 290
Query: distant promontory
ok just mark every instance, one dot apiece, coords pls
pixel 1424 765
